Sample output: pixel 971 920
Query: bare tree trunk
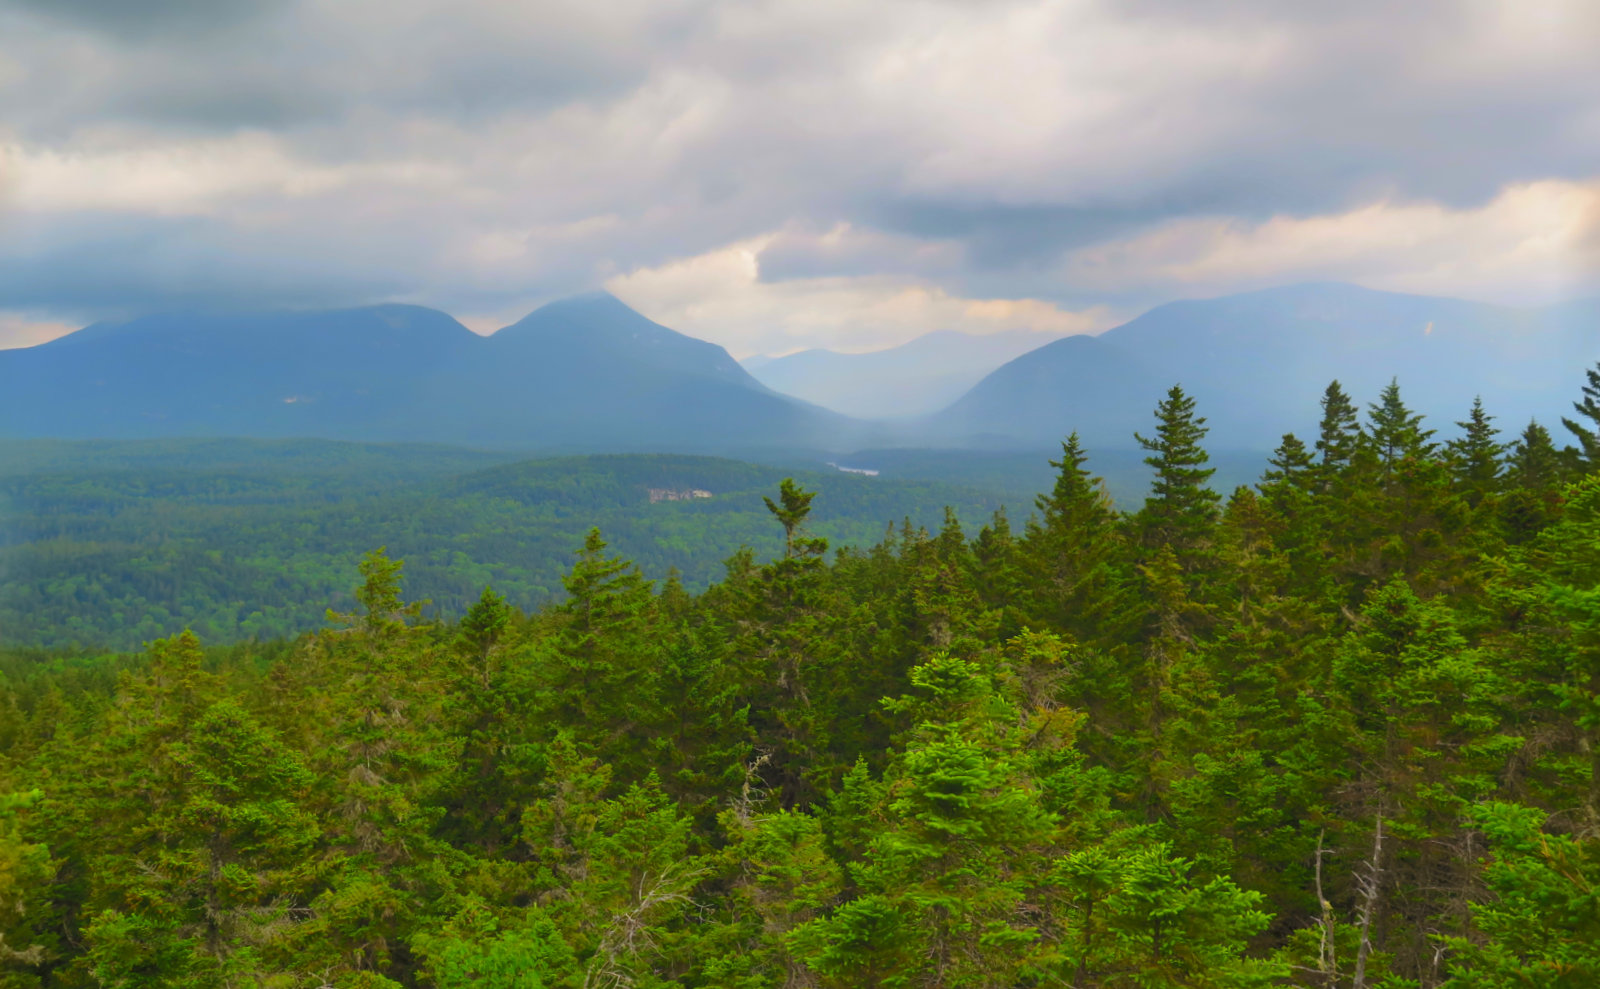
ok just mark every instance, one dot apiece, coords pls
pixel 1594 783
pixel 1327 950
pixel 1370 885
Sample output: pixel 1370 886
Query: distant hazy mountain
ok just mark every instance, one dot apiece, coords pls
pixel 1257 364
pixel 586 373
pixel 915 378
pixel 591 375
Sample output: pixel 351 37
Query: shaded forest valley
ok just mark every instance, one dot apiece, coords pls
pixel 1340 728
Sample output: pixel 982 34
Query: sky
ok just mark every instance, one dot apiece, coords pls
pixel 781 174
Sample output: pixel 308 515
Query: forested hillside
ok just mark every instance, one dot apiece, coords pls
pixel 114 544
pixel 1338 729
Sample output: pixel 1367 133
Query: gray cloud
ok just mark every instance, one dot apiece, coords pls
pixel 478 155
pixel 96 267
pixel 145 19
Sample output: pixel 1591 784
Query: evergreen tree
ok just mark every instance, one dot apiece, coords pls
pixel 604 655
pixel 1533 462
pixel 1421 708
pixel 781 877
pixel 1075 546
pixel 791 509
pixel 27 945
pixel 1475 457
pixel 947 881
pixel 1394 431
pixel 383 614
pixel 1538 922
pixel 1181 510
pixel 1341 734
pixel 1290 464
pixel 215 866
pixel 1534 471
pixel 1588 407
pixel 1339 432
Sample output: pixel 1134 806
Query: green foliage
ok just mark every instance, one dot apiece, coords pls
pixel 1342 732
pixel 142 540
pixel 1588 408
pixel 1394 431
pixel 26 942
pixel 1180 509
pixel 1540 925
pixel 1339 432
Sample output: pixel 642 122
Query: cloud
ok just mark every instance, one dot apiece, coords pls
pixel 721 296
pixel 147 17
pixel 22 330
pixel 484 156
pixel 1533 243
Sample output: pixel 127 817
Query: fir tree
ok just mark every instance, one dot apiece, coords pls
pixel 1394 431
pixel 1181 509
pixel 791 509
pixel 1533 462
pixel 1475 457
pixel 1534 471
pixel 603 667
pixel 1290 463
pixel 383 614
pixel 1338 433
pixel 27 944
pixel 1075 546
pixel 1588 436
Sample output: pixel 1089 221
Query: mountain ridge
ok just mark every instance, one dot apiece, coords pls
pixel 589 374
pixel 1258 361
pixel 582 373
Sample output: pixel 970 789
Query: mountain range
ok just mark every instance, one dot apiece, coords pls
pixel 582 374
pixel 589 374
pixel 915 378
pixel 1257 365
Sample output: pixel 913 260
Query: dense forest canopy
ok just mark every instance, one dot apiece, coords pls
pixel 112 545
pixel 1338 729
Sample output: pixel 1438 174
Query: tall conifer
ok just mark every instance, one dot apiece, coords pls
pixel 1475 457
pixel 1181 509
pixel 1589 408
pixel 1395 431
pixel 1339 430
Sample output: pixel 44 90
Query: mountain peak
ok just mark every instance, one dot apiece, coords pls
pixel 580 373
pixel 591 308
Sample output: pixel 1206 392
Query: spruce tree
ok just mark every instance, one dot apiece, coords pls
pixel 1394 431
pixel 1181 509
pixel 1533 461
pixel 1339 431
pixel 1290 463
pixel 1534 472
pixel 1074 545
pixel 791 509
pixel 604 672
pixel 1588 407
pixel 27 944
pixel 1475 457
